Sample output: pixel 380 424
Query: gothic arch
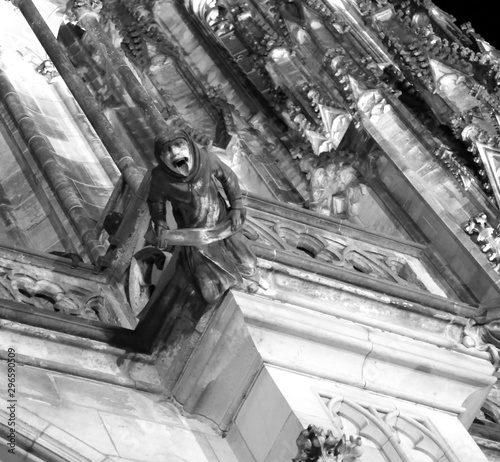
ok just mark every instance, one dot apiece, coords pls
pixel 397 436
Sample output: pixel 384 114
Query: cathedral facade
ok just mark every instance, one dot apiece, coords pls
pixel 365 137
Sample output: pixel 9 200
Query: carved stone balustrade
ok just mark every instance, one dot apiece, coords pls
pixel 52 284
pixel 338 244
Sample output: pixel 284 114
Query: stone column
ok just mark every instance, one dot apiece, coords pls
pixel 44 154
pixel 132 174
pixel 87 14
pixel 85 128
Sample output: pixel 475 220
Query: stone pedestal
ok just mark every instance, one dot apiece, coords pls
pixel 264 370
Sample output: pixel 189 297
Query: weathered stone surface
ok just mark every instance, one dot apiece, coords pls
pixel 106 422
pixel 268 367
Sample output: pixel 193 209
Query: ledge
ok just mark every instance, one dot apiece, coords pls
pixel 94 330
pixel 403 294
pixel 246 334
pixel 330 224
pixel 52 262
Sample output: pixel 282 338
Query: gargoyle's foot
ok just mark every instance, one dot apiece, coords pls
pixel 252 283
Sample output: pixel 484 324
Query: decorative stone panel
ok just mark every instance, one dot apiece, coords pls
pixel 395 436
pixel 352 248
pixel 48 284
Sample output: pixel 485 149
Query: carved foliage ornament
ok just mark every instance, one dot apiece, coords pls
pixel 316 445
pixel 486 237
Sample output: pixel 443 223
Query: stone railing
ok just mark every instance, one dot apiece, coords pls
pixel 54 284
pixel 339 244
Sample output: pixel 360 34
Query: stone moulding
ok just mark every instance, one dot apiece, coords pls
pixel 296 287
pixel 398 296
pixel 408 294
pixel 382 354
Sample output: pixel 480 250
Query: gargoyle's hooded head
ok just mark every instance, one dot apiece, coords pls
pixel 178 155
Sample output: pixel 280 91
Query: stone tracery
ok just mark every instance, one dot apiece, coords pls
pixel 322 115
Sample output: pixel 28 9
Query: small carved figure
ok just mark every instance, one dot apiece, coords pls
pixel 186 177
pixel 316 445
pixel 47 68
pixel 487 237
pixel 334 187
pixel 353 450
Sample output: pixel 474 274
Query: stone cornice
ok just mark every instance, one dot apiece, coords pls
pixel 295 340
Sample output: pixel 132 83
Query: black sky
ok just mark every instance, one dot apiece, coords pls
pixel 480 13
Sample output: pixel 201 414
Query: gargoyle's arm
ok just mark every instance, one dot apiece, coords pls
pixel 229 182
pixel 156 200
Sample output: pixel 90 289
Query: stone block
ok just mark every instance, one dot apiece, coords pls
pixel 262 416
pixel 43 237
pixel 284 447
pixel 81 423
pixel 206 447
pixel 457 436
pixel 304 343
pixel 36 426
pixel 427 225
pixel 17 188
pixel 446 243
pixel 238 445
pixel 114 399
pixel 296 389
pixel 32 382
pixel 29 213
pixel 416 380
pixel 148 441
pixel 55 436
pixel 221 368
pixel 221 448
pixel 9 163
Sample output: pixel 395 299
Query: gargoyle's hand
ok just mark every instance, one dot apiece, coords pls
pixel 161 229
pixel 162 239
pixel 235 217
pixel 159 225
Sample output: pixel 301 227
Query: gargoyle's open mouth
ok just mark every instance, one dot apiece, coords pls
pixel 181 162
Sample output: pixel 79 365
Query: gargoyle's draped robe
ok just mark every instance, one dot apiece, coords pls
pixel 197 203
